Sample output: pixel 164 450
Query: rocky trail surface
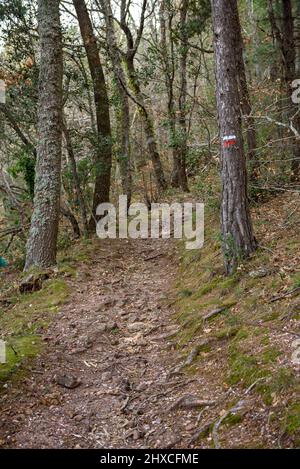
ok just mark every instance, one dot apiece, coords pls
pixel 105 377
pixel 114 372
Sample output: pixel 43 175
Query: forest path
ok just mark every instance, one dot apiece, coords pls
pixel 114 335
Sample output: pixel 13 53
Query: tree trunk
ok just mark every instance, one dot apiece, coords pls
pixel 297 38
pixel 168 65
pixel 183 93
pixel 42 242
pixel 103 160
pixel 289 61
pixel 245 97
pixel 147 120
pixel 69 215
pixel 123 113
pixel 237 232
pixel 76 181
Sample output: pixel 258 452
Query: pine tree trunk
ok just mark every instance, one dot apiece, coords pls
pixel 42 242
pixel 103 160
pixel 237 232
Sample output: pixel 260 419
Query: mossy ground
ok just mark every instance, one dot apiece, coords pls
pixel 24 317
pixel 252 337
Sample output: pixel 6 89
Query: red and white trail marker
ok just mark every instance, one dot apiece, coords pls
pixel 229 140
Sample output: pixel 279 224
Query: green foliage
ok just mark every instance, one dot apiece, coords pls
pixel 25 165
pixel 200 12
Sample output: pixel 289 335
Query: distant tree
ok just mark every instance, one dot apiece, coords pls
pixel 284 32
pixel 236 226
pixel 132 45
pixel 123 112
pixel 103 160
pixel 42 242
pixel 245 96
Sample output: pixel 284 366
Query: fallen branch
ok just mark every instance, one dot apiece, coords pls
pixel 192 355
pixel 201 431
pixel 284 295
pixel 214 312
pixel 233 410
pixel 189 401
pixel 213 424
pixel 153 257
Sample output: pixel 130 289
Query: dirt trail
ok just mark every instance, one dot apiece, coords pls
pixel 114 336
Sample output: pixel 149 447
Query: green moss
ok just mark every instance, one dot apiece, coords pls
pixel 251 353
pixel 270 355
pixel 292 425
pixel 232 320
pixel 185 293
pixel 67 270
pixel 18 349
pixel 272 316
pixel 280 381
pixel 242 334
pixel 49 297
pixel 296 281
pixel 265 340
pixel 233 419
pixel 20 325
pixel 207 288
pixel 227 332
pixel 189 331
pixel 244 369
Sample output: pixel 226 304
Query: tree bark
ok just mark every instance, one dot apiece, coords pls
pixel 76 181
pixel 168 65
pixel 236 226
pixel 69 215
pixel 147 120
pixel 286 40
pixel 184 47
pixel 42 242
pixel 138 98
pixel 245 97
pixel 123 113
pixel 103 159
pixel 289 60
pixel 297 37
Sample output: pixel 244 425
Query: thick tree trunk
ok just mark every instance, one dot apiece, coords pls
pixel 123 113
pixel 245 97
pixel 41 247
pixel 237 232
pixel 103 160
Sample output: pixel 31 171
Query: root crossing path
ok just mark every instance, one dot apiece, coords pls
pixel 104 378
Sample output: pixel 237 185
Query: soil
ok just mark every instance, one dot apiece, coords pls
pixel 110 374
